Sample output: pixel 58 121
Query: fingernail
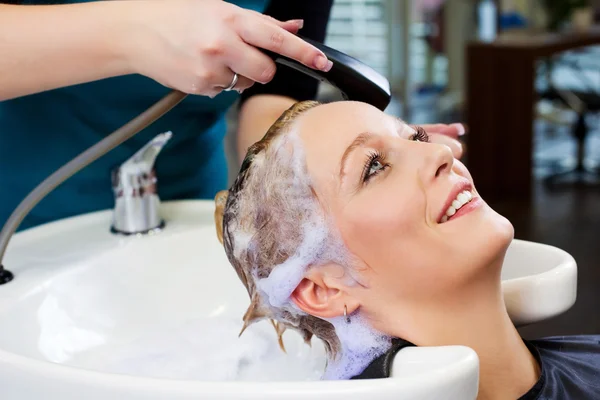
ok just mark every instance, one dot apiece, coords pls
pixel 298 22
pixel 460 128
pixel 322 63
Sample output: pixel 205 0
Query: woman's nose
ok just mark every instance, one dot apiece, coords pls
pixel 437 160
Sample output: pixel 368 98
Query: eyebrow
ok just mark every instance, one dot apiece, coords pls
pixel 359 141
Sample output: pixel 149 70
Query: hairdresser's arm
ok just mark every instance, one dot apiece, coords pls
pixel 189 45
pixel 45 47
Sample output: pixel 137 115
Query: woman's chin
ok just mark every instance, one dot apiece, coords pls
pixel 496 233
pixel 486 236
pixel 500 224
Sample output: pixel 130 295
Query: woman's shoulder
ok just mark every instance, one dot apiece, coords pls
pixel 579 353
pixel 569 343
pixel 570 367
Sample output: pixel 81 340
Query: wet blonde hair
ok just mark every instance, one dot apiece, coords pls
pixel 259 221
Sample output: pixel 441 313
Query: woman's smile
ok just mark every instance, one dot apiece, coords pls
pixel 461 200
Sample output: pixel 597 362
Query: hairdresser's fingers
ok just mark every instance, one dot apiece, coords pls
pixel 452 130
pixel 293 25
pixel 260 33
pixel 250 62
pixel 243 83
pixel 455 145
pixel 221 77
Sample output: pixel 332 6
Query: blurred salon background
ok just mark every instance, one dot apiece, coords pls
pixel 524 75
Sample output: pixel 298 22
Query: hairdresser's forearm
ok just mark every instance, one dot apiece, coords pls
pixel 46 47
pixel 257 114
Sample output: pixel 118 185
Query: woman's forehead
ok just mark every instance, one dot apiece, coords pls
pixel 326 131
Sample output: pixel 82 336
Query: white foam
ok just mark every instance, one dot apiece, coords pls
pixel 241 242
pixel 285 277
pixel 360 343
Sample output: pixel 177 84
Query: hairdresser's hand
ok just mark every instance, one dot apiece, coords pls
pixel 448 135
pixel 197 45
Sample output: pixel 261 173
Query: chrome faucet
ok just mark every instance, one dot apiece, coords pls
pixel 137 204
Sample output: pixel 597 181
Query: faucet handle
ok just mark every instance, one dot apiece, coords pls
pixel 145 157
pixel 134 185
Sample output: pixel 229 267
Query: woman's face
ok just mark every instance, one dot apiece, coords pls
pixel 405 207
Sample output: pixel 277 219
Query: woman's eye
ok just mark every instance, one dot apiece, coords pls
pixel 375 167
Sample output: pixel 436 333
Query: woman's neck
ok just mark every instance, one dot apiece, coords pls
pixel 507 369
pixel 478 319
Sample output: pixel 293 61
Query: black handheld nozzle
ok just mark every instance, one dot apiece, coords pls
pixel 353 78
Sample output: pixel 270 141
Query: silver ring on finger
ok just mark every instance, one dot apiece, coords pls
pixel 233 82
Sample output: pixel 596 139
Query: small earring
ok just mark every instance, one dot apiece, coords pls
pixel 346 314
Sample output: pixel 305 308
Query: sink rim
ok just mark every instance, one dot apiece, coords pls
pixel 70 373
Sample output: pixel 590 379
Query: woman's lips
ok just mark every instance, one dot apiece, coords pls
pixel 460 196
pixel 467 208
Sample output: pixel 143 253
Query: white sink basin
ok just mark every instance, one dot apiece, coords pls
pixel 95 315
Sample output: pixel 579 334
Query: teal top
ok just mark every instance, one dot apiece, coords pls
pixel 39 133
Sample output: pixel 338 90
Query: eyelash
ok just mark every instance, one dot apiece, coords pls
pixel 374 156
pixel 420 136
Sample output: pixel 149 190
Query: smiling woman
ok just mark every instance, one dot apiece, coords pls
pixel 352 226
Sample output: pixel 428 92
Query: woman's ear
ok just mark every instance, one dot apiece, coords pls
pixel 322 293
pixel 220 201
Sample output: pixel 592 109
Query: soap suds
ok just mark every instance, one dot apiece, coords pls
pixel 284 278
pixel 361 344
pixel 242 242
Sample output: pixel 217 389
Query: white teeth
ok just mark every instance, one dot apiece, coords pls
pixel 462 199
